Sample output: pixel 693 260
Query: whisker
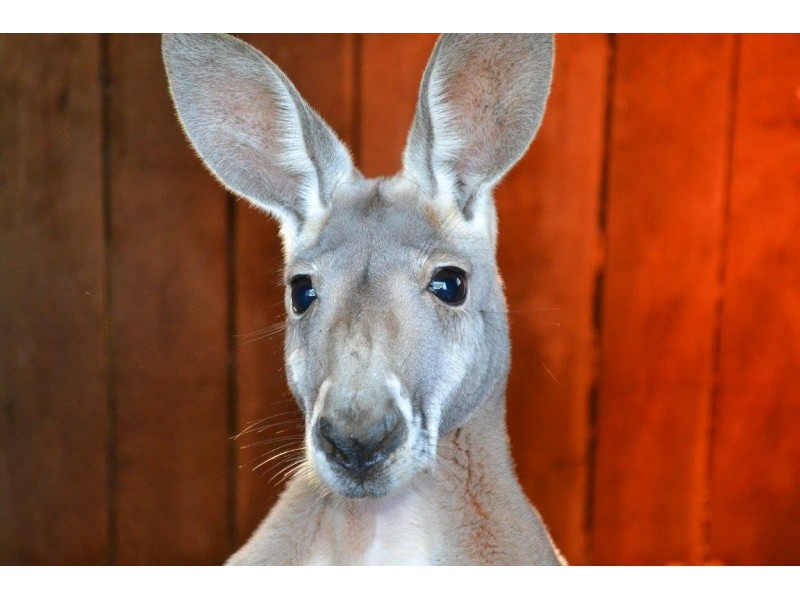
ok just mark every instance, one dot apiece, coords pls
pixel 289 425
pixel 279 466
pixel 259 421
pixel 285 472
pixel 272 441
pixel 275 457
pixel 258 426
pixel 270 453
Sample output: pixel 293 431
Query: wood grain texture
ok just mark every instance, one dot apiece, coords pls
pixel 169 314
pixel 391 71
pixel 666 187
pixel 755 484
pixel 322 68
pixel 548 255
pixel 53 418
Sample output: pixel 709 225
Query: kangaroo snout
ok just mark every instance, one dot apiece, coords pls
pixel 358 446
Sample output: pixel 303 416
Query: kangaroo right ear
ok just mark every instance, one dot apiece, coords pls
pixel 480 104
pixel 253 130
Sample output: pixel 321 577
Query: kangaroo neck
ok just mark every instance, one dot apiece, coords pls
pixel 481 441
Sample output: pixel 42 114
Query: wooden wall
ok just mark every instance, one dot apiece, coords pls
pixel 650 245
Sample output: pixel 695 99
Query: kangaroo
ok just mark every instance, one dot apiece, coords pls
pixel 396 346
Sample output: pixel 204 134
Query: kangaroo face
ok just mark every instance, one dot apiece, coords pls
pixel 396 330
pixel 396 326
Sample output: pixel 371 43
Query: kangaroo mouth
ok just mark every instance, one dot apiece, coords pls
pixel 370 484
pixel 360 476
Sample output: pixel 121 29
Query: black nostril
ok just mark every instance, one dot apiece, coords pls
pixel 336 446
pixel 385 437
pixel 361 451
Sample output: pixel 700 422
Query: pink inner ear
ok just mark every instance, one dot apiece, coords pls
pixel 488 87
pixel 248 134
pixel 476 97
pixel 250 126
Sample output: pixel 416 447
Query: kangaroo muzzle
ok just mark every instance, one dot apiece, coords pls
pixel 358 436
pixel 359 447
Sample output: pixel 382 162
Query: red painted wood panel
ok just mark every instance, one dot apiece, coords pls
pixel 549 253
pixel 322 69
pixel 53 418
pixel 755 484
pixel 666 186
pixel 169 320
pixel 391 70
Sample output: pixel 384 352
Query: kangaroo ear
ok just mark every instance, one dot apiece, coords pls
pixel 480 104
pixel 253 130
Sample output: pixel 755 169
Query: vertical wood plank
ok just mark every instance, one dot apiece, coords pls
pixel 391 71
pixel 668 153
pixel 755 484
pixel 548 255
pixel 169 319
pixel 322 68
pixel 53 418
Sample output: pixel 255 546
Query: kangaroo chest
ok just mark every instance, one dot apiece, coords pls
pixel 386 531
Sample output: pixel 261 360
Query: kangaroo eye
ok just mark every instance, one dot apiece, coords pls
pixel 303 293
pixel 449 284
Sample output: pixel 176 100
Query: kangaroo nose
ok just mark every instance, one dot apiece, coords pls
pixel 360 451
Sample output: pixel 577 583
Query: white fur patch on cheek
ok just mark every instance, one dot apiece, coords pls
pixel 296 366
pixel 314 455
pixel 420 446
pixel 455 371
pixel 403 402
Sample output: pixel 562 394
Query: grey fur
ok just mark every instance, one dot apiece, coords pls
pixel 251 127
pixel 376 339
pixel 496 86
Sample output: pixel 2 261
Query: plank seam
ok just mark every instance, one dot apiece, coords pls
pixel 597 299
pixel 357 98
pixel 705 551
pixel 233 390
pixel 108 296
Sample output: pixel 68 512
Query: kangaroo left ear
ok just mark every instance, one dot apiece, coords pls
pixel 253 130
pixel 480 104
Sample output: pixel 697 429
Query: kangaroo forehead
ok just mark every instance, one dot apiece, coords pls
pixel 374 224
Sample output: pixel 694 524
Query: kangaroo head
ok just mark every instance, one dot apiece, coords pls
pixel 396 319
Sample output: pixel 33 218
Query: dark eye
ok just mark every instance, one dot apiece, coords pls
pixel 303 293
pixel 449 284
